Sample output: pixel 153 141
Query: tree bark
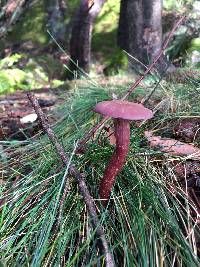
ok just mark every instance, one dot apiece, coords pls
pixel 80 43
pixel 56 10
pixel 140 29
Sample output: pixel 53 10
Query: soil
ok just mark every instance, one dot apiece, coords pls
pixel 14 107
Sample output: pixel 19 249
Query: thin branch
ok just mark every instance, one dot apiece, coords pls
pixel 9 15
pixel 79 179
pixel 146 99
pixel 136 83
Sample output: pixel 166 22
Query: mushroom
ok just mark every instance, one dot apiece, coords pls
pixel 122 113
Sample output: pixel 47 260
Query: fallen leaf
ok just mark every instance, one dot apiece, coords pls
pixel 172 146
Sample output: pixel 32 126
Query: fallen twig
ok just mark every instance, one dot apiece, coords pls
pixel 136 83
pixel 79 178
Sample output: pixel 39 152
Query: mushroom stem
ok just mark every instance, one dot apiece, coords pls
pixel 122 134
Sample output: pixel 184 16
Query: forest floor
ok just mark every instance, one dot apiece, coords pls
pixel 152 179
pixel 14 107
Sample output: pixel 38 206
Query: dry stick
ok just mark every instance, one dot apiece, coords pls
pixel 136 83
pixel 79 178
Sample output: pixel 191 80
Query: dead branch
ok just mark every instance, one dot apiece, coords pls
pixel 136 83
pixel 89 201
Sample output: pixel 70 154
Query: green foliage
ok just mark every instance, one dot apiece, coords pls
pixel 73 4
pixel 193 53
pixel 13 78
pixel 9 61
pixel 177 5
pixel 194 44
pixel 32 26
pixel 104 39
pixel 38 72
pixel 108 18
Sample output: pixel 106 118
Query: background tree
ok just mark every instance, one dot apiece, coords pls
pixel 10 13
pixel 56 19
pixel 80 43
pixel 140 29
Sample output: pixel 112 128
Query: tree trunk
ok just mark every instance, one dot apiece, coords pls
pixel 140 29
pixel 80 43
pixel 56 10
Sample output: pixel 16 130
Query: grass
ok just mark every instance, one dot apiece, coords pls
pixel 149 220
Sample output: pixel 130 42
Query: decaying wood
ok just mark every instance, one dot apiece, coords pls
pixel 187 129
pixel 15 107
pixel 89 201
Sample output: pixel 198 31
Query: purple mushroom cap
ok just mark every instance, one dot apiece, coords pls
pixel 123 110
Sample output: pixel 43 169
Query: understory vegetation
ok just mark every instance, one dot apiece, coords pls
pixel 33 60
pixel 150 219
